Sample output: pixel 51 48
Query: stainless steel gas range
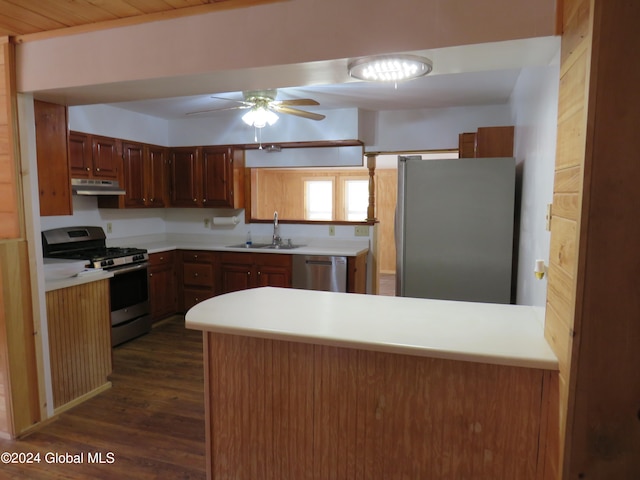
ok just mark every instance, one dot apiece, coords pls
pixel 129 290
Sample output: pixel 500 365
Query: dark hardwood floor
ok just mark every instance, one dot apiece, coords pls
pixel 149 425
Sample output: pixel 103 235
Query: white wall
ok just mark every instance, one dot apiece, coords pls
pixel 228 50
pixel 534 105
pixel 110 121
pixel 432 128
pixel 228 128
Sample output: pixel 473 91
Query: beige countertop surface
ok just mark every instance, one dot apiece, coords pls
pixel 510 335
pixel 348 248
pixel 85 276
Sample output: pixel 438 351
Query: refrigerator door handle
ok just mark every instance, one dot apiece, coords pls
pixel 399 221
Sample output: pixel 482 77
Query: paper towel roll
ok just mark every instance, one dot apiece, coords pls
pixel 222 221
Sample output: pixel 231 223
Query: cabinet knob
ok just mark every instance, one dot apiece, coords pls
pixel 88 169
pixel 161 258
pixel 97 169
pixel 195 200
pixel 151 274
pixel 144 199
pixel 151 200
pixel 248 273
pixel 195 256
pixel 195 274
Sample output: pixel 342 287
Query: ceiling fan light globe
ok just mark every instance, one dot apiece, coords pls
pixel 259 117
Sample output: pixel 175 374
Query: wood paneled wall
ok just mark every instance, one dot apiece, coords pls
pixel 79 340
pixel 566 208
pixel 17 339
pixel 290 410
pixel 386 197
pixel 9 214
pixel 282 190
pixel 20 403
pixel 592 302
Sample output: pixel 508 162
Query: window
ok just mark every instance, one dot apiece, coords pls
pixel 356 200
pixel 318 199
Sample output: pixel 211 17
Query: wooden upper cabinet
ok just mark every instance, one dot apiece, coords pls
pixel 106 159
pixel 133 172
pixel 93 156
pixel 144 178
pixel 185 182
pixel 467 145
pixel 80 161
pixel 494 142
pixel 207 177
pixel 156 176
pixel 487 142
pixel 53 159
pixel 216 173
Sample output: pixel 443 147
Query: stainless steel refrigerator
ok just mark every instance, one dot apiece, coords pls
pixel 454 228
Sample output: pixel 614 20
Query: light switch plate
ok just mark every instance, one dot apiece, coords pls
pixel 362 230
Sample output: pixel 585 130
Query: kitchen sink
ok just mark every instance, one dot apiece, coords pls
pixel 253 246
pixel 266 246
pixel 282 246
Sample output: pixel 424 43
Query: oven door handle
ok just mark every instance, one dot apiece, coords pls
pixel 129 268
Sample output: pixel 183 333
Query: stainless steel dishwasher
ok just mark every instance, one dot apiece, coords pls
pixel 320 272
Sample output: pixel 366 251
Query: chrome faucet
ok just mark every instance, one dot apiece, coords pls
pixel 277 240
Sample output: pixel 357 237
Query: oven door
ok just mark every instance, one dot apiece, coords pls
pixel 130 316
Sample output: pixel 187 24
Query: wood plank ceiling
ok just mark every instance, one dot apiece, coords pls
pixel 24 17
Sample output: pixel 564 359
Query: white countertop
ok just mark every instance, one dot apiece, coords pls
pixel 85 276
pixel 205 242
pixel 476 332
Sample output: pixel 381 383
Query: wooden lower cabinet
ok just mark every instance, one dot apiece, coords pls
pixel 292 410
pixel 79 327
pixel 198 271
pixel 163 285
pixel 240 271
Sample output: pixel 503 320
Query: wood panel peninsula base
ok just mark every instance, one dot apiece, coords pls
pixel 316 385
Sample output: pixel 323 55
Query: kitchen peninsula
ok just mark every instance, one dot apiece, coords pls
pixel 307 384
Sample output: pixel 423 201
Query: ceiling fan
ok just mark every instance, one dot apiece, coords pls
pixel 263 106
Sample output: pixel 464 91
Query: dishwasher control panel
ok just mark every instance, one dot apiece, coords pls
pixel 320 272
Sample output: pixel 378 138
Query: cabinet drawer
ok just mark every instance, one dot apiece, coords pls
pixel 237 258
pixel 198 256
pixel 192 296
pixel 200 274
pixel 273 259
pixel 161 258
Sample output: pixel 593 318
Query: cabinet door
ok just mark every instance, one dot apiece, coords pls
pixel 133 168
pixel 273 276
pixel 185 187
pixel 80 155
pixel 54 183
pixel 198 274
pixel 217 177
pixel 162 291
pixel 156 158
pixel 273 270
pixel 236 277
pixel 106 160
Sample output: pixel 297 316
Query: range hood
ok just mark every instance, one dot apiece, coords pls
pixel 89 186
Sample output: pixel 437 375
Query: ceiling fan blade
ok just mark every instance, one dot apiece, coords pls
pixel 296 102
pixel 299 113
pixel 211 110
pixel 232 100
